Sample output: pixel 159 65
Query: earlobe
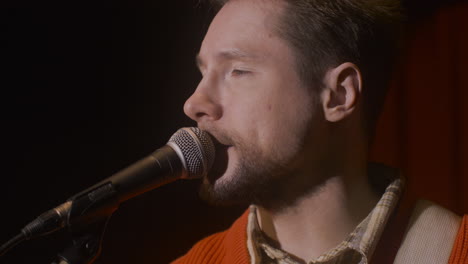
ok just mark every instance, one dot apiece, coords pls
pixel 342 91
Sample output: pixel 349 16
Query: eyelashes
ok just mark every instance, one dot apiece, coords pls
pixel 232 73
pixel 238 72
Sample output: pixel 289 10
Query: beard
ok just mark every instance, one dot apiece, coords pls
pixel 265 180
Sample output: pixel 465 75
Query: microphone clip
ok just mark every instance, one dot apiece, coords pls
pixel 86 245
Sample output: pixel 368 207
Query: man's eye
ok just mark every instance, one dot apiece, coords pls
pixel 237 72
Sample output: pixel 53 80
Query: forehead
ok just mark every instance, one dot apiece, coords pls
pixel 250 12
pixel 246 26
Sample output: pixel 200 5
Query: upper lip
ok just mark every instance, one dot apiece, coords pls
pixel 218 143
pixel 216 139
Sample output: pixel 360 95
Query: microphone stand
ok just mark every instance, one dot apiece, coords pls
pixel 85 214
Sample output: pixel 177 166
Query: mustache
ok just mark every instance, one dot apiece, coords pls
pixel 219 136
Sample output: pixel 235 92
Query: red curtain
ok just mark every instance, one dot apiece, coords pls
pixel 424 127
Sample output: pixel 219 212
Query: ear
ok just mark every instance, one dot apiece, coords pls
pixel 342 90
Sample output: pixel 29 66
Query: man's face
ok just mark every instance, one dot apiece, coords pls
pixel 252 101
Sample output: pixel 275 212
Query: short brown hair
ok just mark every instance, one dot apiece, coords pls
pixel 326 33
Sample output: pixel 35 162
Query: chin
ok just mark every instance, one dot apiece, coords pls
pixel 221 188
pixel 221 179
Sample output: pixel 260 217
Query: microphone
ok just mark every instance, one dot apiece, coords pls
pixel 189 154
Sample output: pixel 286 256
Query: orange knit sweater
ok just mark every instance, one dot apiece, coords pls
pixel 230 246
pixel 460 248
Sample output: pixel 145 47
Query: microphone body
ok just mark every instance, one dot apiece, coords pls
pixel 161 167
pixel 189 154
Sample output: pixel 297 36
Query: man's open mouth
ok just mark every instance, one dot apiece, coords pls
pixel 220 163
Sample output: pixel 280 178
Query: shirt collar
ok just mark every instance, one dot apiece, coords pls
pixel 358 247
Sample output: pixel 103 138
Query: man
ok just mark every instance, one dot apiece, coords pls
pixel 290 92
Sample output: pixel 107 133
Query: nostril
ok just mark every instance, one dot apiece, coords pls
pixel 199 115
pixel 207 110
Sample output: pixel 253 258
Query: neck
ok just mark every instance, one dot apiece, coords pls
pixel 321 220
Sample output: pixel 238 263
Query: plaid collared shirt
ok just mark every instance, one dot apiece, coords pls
pixel 357 248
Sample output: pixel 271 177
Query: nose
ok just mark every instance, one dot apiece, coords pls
pixel 203 105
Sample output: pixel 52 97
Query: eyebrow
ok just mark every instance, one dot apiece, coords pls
pixel 232 54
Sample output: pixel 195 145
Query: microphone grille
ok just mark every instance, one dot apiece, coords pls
pixel 196 150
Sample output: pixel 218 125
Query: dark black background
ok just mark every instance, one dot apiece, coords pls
pixel 87 89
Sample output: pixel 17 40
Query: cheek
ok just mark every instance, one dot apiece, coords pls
pixel 266 124
pixel 290 118
pixel 241 116
pixel 267 113
pixel 251 121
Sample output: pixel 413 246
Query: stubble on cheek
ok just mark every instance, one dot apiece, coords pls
pixel 248 179
pixel 273 178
